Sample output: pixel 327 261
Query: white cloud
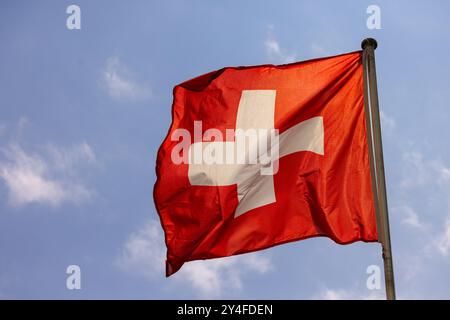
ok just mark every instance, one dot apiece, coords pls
pixel 444 173
pixel 39 178
pixel 432 178
pixel 144 254
pixel 119 82
pixel 409 216
pixel 421 171
pixel 68 158
pixel 213 277
pixel 387 123
pixel 443 240
pixel 349 294
pixel 15 131
pixel 273 47
pixel 274 51
pixel 278 54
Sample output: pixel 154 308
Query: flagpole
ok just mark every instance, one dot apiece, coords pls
pixel 377 163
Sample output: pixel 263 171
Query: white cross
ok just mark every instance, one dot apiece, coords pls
pixel 256 111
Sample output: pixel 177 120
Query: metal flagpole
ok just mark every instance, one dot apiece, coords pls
pixel 376 158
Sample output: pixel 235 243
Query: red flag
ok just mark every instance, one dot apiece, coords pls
pixel 218 195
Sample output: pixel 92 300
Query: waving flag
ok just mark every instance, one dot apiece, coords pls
pixel 263 155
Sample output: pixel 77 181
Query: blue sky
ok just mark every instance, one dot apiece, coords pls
pixel 82 113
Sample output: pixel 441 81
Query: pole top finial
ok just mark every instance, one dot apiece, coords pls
pixel 369 42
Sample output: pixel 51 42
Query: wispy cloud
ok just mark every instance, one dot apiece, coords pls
pixel 429 176
pixel 42 177
pixel 349 294
pixel 14 131
pixel 423 171
pixel 120 83
pixel 144 254
pixel 67 158
pixel 274 50
pixel 442 242
pixel 388 123
pixel 409 217
pixel 212 278
pixel 278 54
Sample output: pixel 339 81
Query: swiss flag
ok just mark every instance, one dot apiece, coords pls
pixel 316 183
